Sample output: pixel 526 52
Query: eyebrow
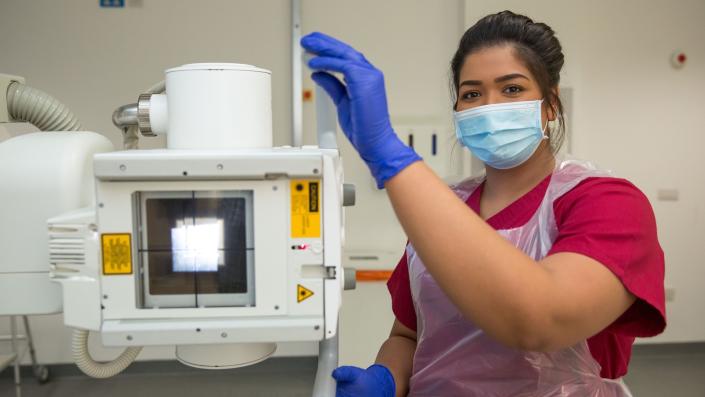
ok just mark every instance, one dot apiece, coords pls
pixel 497 80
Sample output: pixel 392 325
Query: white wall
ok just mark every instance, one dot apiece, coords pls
pixel 96 59
pixel 633 113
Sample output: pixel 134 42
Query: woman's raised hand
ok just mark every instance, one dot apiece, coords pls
pixel 362 104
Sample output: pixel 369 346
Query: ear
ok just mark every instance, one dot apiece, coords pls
pixel 552 110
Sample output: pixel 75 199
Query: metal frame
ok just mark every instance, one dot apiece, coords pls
pixel 41 372
pixel 296 70
pixel 324 385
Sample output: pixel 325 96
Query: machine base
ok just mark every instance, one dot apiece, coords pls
pixel 234 355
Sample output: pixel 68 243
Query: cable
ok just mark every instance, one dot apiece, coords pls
pixel 92 368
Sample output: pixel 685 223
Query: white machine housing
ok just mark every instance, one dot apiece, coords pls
pixel 41 174
pixel 114 304
pixel 213 106
pixel 220 244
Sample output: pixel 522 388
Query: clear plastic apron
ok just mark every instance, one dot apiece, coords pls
pixel 455 358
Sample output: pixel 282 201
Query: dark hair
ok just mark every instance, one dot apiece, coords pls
pixel 534 43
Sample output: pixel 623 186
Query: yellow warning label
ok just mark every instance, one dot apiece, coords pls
pixel 302 293
pixel 305 209
pixel 117 254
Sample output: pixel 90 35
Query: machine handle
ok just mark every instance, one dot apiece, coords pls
pixel 326 120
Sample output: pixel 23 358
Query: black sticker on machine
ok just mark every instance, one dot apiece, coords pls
pixel 313 196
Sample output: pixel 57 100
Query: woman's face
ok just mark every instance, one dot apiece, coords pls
pixel 494 75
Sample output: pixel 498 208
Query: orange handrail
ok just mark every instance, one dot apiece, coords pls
pixel 373 275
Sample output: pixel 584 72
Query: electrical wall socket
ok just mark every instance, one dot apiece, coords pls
pixel 670 294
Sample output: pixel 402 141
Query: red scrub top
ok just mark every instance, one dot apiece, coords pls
pixel 607 219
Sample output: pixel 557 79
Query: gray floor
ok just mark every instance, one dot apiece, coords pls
pixel 274 377
pixel 667 371
pixel 655 371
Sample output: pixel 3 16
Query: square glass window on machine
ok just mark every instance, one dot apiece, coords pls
pixel 196 248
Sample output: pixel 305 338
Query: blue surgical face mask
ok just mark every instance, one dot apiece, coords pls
pixel 502 135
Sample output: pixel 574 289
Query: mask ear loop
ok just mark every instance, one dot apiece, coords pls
pixel 544 128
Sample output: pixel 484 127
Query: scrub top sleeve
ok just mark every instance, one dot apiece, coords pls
pixel 611 221
pixel 400 290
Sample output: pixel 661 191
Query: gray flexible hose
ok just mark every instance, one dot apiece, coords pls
pixel 92 368
pixel 39 108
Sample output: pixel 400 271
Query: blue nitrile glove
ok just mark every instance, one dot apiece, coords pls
pixel 361 103
pixel 375 381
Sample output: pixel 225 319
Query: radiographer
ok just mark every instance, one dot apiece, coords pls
pixel 531 280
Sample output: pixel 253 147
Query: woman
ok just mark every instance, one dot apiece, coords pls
pixel 532 280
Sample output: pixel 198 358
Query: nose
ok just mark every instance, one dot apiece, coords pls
pixel 491 98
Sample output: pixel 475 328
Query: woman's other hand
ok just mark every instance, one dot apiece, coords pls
pixel 375 381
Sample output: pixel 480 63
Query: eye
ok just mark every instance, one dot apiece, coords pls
pixel 471 94
pixel 513 90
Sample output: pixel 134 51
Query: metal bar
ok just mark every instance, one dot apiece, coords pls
pixel 30 343
pixel 324 386
pixel 125 116
pixel 326 120
pixel 13 332
pixel 296 77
